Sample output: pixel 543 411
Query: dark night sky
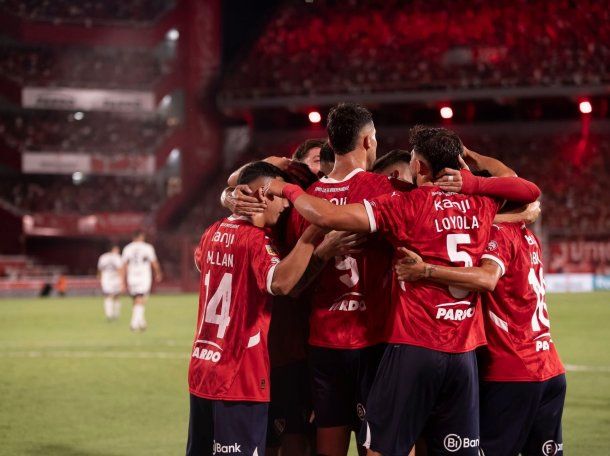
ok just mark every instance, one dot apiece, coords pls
pixel 241 22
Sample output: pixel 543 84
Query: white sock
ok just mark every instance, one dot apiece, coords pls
pixel 137 317
pixel 109 307
pixel 117 307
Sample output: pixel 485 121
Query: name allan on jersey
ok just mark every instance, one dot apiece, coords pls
pixel 226 259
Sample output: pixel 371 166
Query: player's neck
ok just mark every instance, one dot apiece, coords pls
pixel 345 164
pixel 423 180
pixel 257 220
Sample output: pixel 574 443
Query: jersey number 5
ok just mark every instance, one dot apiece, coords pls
pixel 456 256
pixel 222 298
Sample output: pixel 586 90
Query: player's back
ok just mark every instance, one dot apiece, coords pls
pixel 351 299
pixel 138 257
pixel 229 358
pixel 447 229
pixel 109 262
pixel 109 265
pixel 517 323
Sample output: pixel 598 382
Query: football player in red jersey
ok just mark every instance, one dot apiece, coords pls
pixel 427 381
pixel 351 299
pixel 229 368
pixel 523 385
pixel 327 159
pixel 290 410
pixel 308 153
pixel 395 164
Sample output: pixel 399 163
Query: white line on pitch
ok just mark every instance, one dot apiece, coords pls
pixel 94 354
pixel 175 355
pixel 578 368
pixel 40 345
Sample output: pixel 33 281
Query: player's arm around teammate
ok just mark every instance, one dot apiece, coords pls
pixel 354 217
pixel 411 268
pixel 485 277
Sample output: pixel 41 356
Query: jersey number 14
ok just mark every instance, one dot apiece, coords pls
pixel 221 298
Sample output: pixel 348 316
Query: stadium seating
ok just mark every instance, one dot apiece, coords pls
pixel 93 12
pixel 97 132
pixel 59 195
pixel 360 47
pixel 81 67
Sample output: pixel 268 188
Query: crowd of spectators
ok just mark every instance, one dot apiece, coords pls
pixel 387 45
pixel 571 170
pixel 60 195
pixel 88 12
pixel 99 132
pixel 75 66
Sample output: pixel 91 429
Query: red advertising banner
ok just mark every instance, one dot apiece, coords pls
pixel 579 256
pixel 82 225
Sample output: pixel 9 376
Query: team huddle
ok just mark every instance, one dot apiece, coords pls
pixel 400 298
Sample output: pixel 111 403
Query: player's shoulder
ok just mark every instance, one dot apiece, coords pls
pixel 505 233
pixel 353 176
pixel 242 227
pixel 129 247
pixel 380 181
pixel 507 229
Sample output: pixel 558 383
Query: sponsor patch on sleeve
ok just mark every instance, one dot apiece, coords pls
pixel 491 246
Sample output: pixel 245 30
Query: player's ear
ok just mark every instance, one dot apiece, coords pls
pixel 367 142
pixel 422 168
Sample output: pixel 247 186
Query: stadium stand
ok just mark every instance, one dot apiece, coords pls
pixel 363 47
pixel 96 132
pixel 59 195
pixel 81 67
pixel 95 12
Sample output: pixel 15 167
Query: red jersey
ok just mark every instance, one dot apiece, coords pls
pixel 351 299
pixel 517 324
pixel 229 360
pixel 447 229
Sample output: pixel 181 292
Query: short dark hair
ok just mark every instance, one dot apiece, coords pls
pixel 391 158
pixel 327 154
pixel 138 233
pixel 257 169
pixel 345 121
pixel 305 147
pixel 440 147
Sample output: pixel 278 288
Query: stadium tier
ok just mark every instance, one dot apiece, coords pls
pixel 77 66
pixel 63 131
pixel 96 12
pixel 387 46
pixel 60 195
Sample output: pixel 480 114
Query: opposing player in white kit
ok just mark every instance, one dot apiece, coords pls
pixel 140 260
pixel 109 270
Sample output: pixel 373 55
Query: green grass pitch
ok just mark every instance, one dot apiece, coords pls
pixel 74 385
